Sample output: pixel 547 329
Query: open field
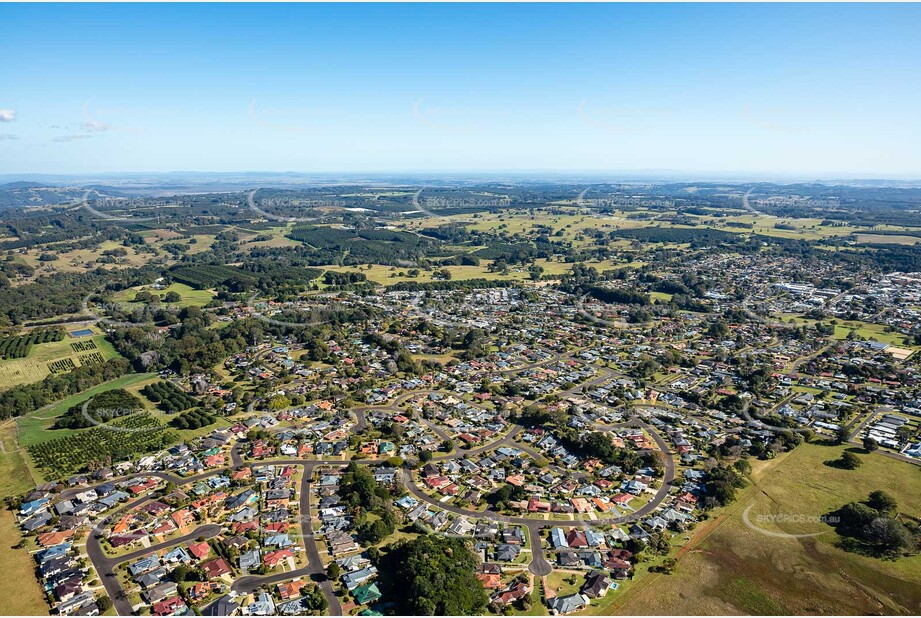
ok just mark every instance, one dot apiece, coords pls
pixel 35 427
pixel 19 588
pixel 390 275
pixel 729 568
pixel 34 367
pixel 190 296
pixel 82 260
pixel 574 225
pixel 864 329
pixel 888 239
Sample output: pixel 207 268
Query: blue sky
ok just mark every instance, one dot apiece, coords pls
pixel 808 90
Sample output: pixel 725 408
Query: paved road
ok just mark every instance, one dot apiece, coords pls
pixel 538 565
pixel 749 207
pixel 105 565
pixel 314 569
pixel 855 431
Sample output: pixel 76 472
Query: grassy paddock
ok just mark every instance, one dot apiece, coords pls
pixel 190 296
pixel 729 568
pixel 19 589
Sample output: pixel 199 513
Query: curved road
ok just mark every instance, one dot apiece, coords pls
pixel 539 564
pixel 314 570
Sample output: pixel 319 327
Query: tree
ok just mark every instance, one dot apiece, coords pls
pixel 279 402
pixel 104 603
pixel 315 601
pixel 333 571
pixel 869 444
pixel 668 566
pixel 433 575
pixel 849 461
pixel 425 456
pixel 882 502
pixel 722 483
pixel 372 533
pixel 842 435
pixel 357 486
pixel 888 535
pixel 872 530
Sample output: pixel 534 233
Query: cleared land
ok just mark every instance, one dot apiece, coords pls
pixel 842 329
pixel 728 568
pixel 36 427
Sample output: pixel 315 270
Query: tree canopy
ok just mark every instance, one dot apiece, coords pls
pixel 433 576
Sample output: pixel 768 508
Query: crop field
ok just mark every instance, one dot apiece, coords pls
pixel 19 346
pixel 61 354
pixel 124 438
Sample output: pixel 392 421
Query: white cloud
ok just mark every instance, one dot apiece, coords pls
pixel 7 115
pixel 8 136
pixel 95 126
pixel 70 138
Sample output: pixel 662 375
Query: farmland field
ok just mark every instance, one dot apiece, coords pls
pixel 34 367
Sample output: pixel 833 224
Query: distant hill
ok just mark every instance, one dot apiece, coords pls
pixel 22 185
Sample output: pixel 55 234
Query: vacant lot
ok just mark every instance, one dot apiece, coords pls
pixel 730 568
pixel 19 589
pixel 843 328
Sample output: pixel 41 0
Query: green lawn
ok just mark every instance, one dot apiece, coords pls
pixel 19 589
pixel 864 329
